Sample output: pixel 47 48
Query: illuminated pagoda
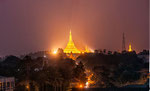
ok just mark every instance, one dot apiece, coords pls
pixel 71 48
pixel 130 49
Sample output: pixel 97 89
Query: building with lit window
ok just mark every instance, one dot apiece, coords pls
pixel 7 83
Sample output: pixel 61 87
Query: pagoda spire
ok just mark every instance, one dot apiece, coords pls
pixel 70 36
pixel 71 48
pixel 130 48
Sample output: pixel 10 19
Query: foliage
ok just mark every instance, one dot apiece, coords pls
pixel 50 72
pixel 111 70
pixel 79 73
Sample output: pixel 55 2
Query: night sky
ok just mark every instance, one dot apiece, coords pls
pixel 35 25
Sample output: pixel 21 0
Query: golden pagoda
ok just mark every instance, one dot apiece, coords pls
pixel 130 49
pixel 71 48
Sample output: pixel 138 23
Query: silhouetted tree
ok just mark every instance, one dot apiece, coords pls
pixel 79 73
pixel 117 69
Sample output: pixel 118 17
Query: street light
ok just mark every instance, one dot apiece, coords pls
pixel 54 51
pixel 27 87
pixel 81 86
pixel 87 85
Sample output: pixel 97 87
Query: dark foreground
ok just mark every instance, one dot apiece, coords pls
pixel 111 89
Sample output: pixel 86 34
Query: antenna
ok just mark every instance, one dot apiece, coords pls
pixel 123 43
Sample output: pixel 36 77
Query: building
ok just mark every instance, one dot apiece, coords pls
pixel 71 48
pixel 130 48
pixel 7 83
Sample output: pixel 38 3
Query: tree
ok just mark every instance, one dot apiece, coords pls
pixel 117 69
pixel 79 73
pixel 9 65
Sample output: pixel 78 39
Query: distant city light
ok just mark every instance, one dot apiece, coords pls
pixel 55 51
pixel 44 56
pixel 81 86
pixel 27 86
pixel 87 85
pixel 92 51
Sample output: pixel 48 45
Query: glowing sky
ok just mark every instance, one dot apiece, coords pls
pixel 34 25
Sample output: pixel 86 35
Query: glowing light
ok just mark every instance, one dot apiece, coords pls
pixel 87 49
pixel 27 86
pixel 81 86
pixel 87 85
pixel 130 48
pixel 71 48
pixel 89 80
pixel 54 51
pixel 44 56
pixel 92 50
